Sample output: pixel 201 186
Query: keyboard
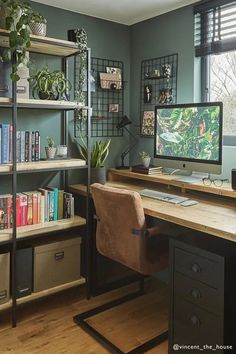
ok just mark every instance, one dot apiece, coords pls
pixel 165 197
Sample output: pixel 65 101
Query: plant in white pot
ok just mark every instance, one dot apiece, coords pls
pixel 145 157
pixel 50 149
pixel 99 153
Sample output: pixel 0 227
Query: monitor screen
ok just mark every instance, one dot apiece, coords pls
pixel 189 132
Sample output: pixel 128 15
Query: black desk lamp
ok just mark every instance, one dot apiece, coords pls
pixel 123 125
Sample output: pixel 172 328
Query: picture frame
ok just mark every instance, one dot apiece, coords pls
pixel 113 108
pixel 148 123
pixel 113 70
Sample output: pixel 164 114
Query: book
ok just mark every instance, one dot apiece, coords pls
pixel 5 133
pixel 44 192
pixel 60 204
pixel 23 208
pixel 22 146
pixel 33 146
pixel 37 146
pixel 67 205
pixel 50 205
pixel 146 170
pixel 18 211
pixel 27 134
pixel 30 207
pixel 42 208
pixel 11 144
pixel 18 146
pixel 55 201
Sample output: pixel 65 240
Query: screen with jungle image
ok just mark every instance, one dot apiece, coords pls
pixel 189 131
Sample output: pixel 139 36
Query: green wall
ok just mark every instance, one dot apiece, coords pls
pixel 163 35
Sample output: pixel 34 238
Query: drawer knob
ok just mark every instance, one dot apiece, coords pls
pixel 195 321
pixel 195 293
pixel 196 268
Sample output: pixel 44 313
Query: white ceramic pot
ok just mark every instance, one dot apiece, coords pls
pixel 50 152
pixel 146 161
pixel 62 151
pixel 38 29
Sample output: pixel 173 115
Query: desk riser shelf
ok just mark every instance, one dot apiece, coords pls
pixel 170 180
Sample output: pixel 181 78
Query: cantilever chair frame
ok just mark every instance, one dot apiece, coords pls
pixel 81 318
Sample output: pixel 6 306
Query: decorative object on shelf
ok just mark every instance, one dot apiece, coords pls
pixel 148 123
pixel 62 151
pixel 99 153
pixel 161 74
pixel 18 15
pixel 123 125
pixel 50 149
pixel 110 81
pixel 166 70
pixel 50 85
pixel 145 157
pixel 166 96
pixel 38 25
pixel 113 108
pixel 5 82
pixel 147 93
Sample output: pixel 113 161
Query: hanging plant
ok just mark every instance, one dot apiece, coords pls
pixel 18 15
pixel 82 41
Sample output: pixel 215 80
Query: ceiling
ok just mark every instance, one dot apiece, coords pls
pixel 126 12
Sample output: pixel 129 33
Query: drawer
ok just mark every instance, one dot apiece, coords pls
pixel 193 325
pixel 210 272
pixel 56 263
pixel 198 293
pixel 4 277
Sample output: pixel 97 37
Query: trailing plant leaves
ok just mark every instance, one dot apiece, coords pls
pixel 172 137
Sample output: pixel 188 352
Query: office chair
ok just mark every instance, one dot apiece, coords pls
pixel 122 236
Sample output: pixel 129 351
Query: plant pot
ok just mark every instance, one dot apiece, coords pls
pixel 38 29
pixel 62 151
pixel 98 175
pixel 50 152
pixel 44 95
pixel 146 161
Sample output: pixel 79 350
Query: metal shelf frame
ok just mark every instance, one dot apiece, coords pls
pixel 14 105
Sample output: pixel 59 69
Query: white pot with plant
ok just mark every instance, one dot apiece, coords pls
pixel 38 25
pixel 99 153
pixel 145 157
pixel 50 149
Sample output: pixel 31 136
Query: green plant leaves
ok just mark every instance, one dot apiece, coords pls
pixel 99 152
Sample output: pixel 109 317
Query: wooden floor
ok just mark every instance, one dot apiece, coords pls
pixel 46 326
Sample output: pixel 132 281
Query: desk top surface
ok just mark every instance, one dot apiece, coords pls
pixel 213 215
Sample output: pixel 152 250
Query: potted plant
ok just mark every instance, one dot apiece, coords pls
pixel 38 25
pixel 99 153
pixel 50 149
pixel 16 17
pixel 50 85
pixel 145 157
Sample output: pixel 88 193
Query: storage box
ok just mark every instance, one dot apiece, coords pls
pixel 24 272
pixel 4 277
pixel 56 263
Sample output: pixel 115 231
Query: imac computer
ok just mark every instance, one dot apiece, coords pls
pixel 189 137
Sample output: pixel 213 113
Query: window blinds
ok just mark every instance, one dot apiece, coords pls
pixel 215 27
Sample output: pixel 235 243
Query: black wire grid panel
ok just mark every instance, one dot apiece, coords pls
pixel 107 103
pixel 158 85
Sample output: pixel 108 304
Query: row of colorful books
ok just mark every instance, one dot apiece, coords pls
pixel 43 205
pixel 27 145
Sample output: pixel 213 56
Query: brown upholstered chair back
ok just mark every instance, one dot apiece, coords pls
pixel 119 212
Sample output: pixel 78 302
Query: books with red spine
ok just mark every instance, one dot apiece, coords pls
pixel 147 170
pixel 30 207
pixel 18 211
pixel 23 208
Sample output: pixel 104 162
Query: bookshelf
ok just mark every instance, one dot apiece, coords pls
pixel 10 237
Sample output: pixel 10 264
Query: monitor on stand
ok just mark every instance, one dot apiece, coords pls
pixel 188 137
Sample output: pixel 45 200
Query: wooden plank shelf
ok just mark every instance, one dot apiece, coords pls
pixel 171 180
pixel 47 165
pixel 44 228
pixel 44 45
pixel 43 104
pixel 43 293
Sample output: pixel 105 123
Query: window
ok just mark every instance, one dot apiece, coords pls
pixel 215 42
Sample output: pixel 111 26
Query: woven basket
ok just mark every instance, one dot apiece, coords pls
pixel 38 29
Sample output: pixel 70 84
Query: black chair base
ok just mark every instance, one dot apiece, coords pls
pixel 80 320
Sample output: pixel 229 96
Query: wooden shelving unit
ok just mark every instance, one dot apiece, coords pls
pixel 11 237
pixel 44 45
pixel 43 104
pixel 44 293
pixel 39 229
pixel 47 165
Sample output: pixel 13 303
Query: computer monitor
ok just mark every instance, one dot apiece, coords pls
pixel 189 136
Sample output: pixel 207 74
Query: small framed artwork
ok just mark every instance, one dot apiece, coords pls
pixel 113 108
pixel 166 96
pixel 148 123
pixel 111 70
pixel 147 93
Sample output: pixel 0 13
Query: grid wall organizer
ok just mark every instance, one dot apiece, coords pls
pixel 107 95
pixel 158 86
